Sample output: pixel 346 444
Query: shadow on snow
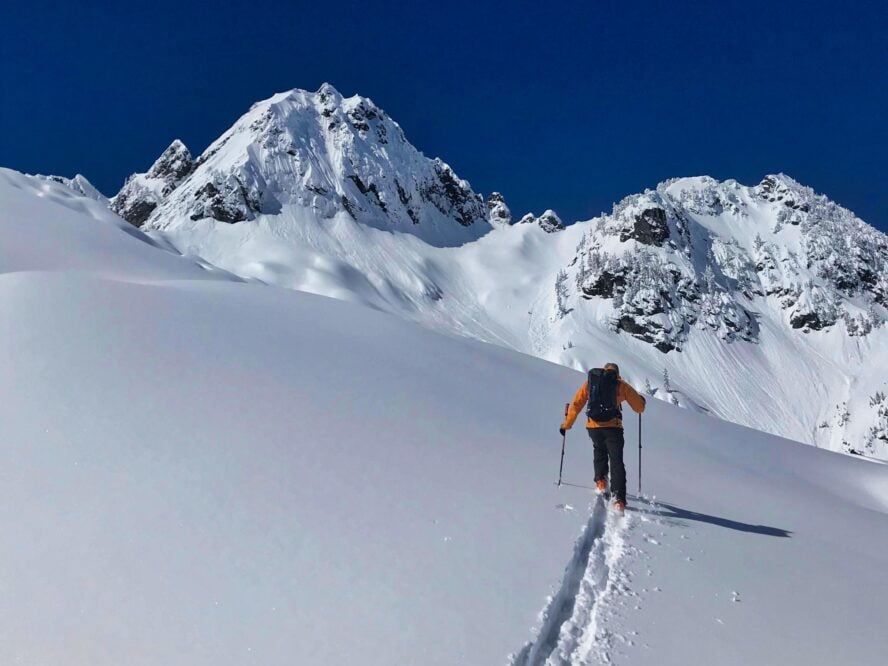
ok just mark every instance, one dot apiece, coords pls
pixel 671 511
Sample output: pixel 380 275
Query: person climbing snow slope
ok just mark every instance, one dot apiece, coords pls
pixel 602 394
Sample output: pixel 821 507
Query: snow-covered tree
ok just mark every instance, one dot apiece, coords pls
pixel 561 294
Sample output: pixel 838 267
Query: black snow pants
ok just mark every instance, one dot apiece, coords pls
pixel 608 449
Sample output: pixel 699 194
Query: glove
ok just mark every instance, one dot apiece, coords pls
pixel 561 431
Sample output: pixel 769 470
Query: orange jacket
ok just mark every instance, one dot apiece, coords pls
pixel 624 393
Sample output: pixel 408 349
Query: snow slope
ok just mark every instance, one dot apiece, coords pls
pixel 47 226
pixel 777 289
pixel 202 471
pixel 765 305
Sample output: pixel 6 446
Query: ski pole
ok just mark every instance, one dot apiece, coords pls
pixel 639 455
pixel 563 442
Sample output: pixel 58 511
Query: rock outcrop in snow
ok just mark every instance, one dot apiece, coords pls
pixel 320 155
pixel 696 258
pixel 498 213
pixel 548 221
pixel 699 253
pixel 143 192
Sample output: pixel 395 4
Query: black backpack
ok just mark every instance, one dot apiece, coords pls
pixel 602 405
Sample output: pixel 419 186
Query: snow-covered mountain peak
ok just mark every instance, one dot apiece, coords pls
pixel 310 157
pixel 692 273
pixel 173 164
pixel 696 264
pixel 143 192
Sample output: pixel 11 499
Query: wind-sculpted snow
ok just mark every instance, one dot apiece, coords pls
pixel 79 185
pixel 47 226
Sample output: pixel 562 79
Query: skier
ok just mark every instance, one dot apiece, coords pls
pixel 603 392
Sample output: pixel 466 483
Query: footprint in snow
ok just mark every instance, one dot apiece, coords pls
pixel 565 507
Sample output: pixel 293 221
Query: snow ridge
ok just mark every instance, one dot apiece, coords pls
pixel 79 185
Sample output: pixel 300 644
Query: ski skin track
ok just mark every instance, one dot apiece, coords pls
pixel 570 633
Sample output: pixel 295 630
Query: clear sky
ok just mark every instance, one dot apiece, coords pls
pixel 558 105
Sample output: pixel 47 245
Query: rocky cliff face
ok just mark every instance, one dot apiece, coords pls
pixel 696 253
pixel 143 192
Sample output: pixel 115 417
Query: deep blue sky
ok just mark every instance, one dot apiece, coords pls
pixel 562 105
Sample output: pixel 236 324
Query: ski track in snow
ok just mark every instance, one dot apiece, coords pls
pixel 574 629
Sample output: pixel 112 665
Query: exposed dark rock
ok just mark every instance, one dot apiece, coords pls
pixel 232 203
pixel 548 221
pixel 370 191
pixel 174 164
pixel 646 333
pixel 649 227
pixel 453 198
pixel 402 193
pixel 498 213
pixel 808 320
pixel 349 206
pixel 359 183
pixel 604 286
pixel 137 212
pixel 142 193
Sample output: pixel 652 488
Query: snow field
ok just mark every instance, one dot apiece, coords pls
pixel 201 471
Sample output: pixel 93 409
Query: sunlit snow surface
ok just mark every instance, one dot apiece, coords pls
pixel 201 471
pixel 499 289
pixel 765 304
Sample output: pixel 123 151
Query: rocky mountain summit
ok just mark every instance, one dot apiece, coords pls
pixel 695 252
pixel 143 192
pixel 320 153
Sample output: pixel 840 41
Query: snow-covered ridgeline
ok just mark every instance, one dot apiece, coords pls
pixel 765 305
